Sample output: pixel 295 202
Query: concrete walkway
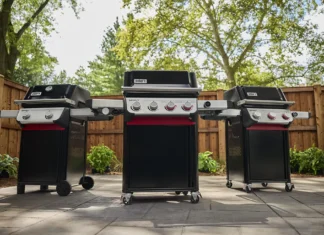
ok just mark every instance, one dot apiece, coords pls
pixel 220 211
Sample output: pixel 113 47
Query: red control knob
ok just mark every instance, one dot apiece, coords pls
pixel 187 106
pixel 271 116
pixel 285 116
pixel 170 106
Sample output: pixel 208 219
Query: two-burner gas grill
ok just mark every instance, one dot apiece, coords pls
pixel 257 140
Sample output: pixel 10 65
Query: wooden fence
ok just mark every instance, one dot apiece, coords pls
pixel 302 134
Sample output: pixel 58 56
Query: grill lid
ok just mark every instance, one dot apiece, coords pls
pixel 257 96
pixel 60 95
pixel 143 81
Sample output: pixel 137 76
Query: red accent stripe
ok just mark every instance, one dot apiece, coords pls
pixel 167 121
pixel 42 127
pixel 265 127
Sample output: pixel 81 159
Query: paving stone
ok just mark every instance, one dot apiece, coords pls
pixel 139 231
pixel 67 225
pixel 17 222
pixel 7 231
pixel 307 226
pixel 294 210
pixel 167 213
pixel 210 230
pixel 158 223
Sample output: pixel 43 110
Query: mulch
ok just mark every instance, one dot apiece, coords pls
pixel 7 182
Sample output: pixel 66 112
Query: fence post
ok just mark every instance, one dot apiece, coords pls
pixel 319 112
pixel 1 95
pixel 221 131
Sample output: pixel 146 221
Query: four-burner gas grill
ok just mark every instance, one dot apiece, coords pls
pixel 160 111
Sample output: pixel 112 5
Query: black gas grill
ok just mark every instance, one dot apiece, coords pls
pixel 53 143
pixel 257 140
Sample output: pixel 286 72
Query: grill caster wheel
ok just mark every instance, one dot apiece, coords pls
pixel 194 200
pixel 264 184
pixel 88 182
pixel 289 187
pixel 185 193
pixel 229 184
pixel 127 198
pixel 177 192
pixel 248 188
pixel 43 188
pixel 63 188
pixel 20 189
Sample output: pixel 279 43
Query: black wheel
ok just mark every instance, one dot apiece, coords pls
pixel 63 188
pixel 289 189
pixel 264 184
pixel 193 200
pixel 43 188
pixel 177 192
pixel 129 202
pixel 248 189
pixel 20 189
pixel 88 182
pixel 185 193
pixel 229 184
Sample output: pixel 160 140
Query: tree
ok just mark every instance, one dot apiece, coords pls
pixel 224 36
pixel 17 27
pixel 105 73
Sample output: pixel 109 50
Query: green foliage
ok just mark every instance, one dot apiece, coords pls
pixel 24 26
pixel 226 42
pixel 206 163
pixel 309 161
pixel 9 164
pixel 100 157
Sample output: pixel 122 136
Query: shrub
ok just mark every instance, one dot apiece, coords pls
pixel 309 161
pixel 9 164
pixel 101 157
pixel 206 163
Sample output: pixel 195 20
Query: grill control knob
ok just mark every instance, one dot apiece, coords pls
pixel 48 115
pixel 136 106
pixel 271 115
pixel 170 106
pixel 256 115
pixel 153 106
pixel 26 116
pixel 285 116
pixel 187 106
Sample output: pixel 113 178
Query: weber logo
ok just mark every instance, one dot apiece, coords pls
pixel 143 81
pixel 252 94
pixel 35 93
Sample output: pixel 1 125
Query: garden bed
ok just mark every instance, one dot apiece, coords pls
pixel 7 182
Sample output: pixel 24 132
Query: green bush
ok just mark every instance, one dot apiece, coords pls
pixel 9 164
pixel 101 157
pixel 309 161
pixel 206 163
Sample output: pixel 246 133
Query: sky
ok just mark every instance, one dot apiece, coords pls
pixel 78 41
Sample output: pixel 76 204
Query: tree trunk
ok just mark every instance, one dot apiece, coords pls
pixel 3 48
pixel 230 77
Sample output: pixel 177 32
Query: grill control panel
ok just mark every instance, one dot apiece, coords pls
pixel 271 116
pixel 39 115
pixel 161 106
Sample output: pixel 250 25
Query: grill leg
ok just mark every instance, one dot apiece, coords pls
pixel 248 188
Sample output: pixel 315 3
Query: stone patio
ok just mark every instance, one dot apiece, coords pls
pixel 221 210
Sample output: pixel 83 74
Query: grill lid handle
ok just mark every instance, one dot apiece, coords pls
pixel 265 102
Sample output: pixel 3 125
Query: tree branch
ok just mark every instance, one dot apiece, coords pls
pixel 28 23
pixel 252 41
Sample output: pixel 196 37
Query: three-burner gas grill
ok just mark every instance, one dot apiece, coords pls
pixel 257 140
